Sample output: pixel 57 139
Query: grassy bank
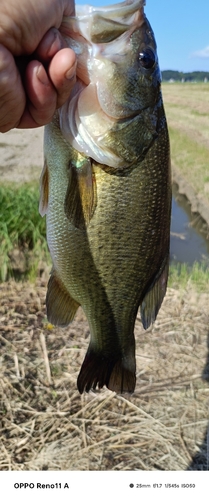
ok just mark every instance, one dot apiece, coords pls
pixel 187 111
pixel 22 230
pixel 23 240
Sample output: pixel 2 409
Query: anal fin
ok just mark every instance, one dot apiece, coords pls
pixel 61 307
pixel 81 197
pixel 155 295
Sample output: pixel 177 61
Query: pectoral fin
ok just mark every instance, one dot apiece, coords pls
pixel 60 306
pixel 44 190
pixel 81 198
pixel 155 295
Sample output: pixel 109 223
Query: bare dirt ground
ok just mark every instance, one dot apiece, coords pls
pixel 46 425
pixel 21 155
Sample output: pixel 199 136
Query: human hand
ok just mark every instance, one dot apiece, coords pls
pixel 30 100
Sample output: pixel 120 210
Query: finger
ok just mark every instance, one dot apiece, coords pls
pixel 50 44
pixel 12 95
pixel 42 97
pixel 69 8
pixel 62 71
pixel 46 93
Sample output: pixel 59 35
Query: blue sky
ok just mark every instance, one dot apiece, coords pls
pixel 181 30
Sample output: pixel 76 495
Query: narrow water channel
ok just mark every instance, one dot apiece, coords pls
pixel 189 233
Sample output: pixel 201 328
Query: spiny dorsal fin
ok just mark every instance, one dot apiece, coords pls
pixel 44 190
pixel 60 306
pixel 154 297
pixel 81 196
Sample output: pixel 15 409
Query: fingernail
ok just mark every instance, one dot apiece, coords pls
pixel 51 43
pixel 71 73
pixel 42 75
pixel 55 42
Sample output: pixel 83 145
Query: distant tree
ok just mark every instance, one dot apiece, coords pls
pixel 197 76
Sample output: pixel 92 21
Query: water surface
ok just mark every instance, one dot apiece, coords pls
pixel 189 233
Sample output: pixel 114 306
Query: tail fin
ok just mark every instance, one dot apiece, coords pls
pixel 99 370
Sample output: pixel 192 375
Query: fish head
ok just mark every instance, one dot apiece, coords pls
pixel 126 70
pixel 118 87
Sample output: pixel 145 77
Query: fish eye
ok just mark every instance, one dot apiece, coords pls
pixel 147 59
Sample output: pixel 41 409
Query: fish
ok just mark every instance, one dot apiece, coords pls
pixel 106 190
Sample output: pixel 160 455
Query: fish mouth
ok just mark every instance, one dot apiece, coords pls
pixel 94 21
pixel 116 11
pixel 112 11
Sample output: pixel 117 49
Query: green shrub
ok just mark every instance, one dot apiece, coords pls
pixel 21 226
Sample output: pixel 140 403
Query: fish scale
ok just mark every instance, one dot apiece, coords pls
pixel 108 225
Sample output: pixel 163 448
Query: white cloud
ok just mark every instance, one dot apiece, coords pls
pixel 203 54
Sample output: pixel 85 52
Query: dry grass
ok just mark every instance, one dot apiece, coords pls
pixel 46 424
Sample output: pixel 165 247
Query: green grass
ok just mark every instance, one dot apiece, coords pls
pixel 180 275
pixel 191 159
pixel 21 227
pixel 187 112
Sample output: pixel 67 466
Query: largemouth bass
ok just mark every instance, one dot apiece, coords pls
pixel 106 190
